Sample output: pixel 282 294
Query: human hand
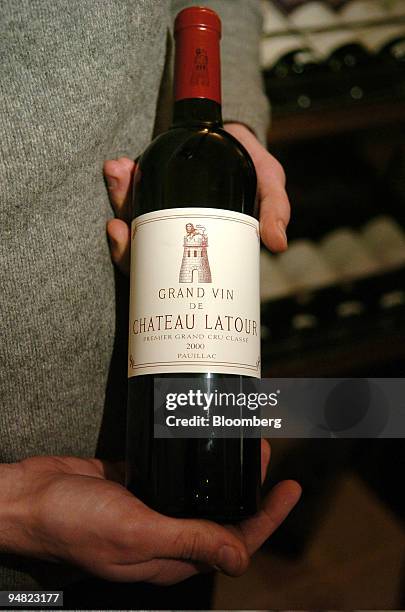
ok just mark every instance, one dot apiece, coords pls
pixel 76 511
pixel 273 199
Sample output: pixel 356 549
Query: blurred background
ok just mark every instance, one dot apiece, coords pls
pixel 333 305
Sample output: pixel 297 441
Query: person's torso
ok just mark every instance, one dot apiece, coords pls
pixel 79 83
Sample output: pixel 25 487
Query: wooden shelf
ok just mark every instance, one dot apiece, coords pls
pixel 319 123
pixel 331 360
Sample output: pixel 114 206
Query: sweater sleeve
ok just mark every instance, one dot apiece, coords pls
pixel 243 97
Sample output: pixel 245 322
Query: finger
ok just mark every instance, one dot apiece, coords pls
pixel 96 468
pixel 119 236
pixel 274 203
pixel 156 571
pixel 274 221
pixel 114 471
pixel 265 457
pixel 276 507
pixel 253 532
pixel 197 541
pixel 118 174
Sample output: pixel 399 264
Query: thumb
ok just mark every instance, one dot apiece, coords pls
pixel 119 236
pixel 202 542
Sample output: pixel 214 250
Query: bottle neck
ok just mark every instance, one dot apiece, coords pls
pixel 197 77
pixel 197 111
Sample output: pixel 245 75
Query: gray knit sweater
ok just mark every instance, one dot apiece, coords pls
pixel 81 81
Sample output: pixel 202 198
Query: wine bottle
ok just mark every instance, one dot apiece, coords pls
pixel 275 53
pixel 388 44
pixel 273 282
pixel 194 305
pixel 291 72
pixel 346 253
pixel 393 49
pixel 386 240
pixel 384 39
pixel 374 24
pixel 287 6
pixel 307 274
pixel 312 15
pixel 361 12
pixel 396 8
pixel 338 47
pixel 305 267
pixel 274 22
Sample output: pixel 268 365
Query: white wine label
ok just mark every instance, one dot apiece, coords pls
pixel 194 303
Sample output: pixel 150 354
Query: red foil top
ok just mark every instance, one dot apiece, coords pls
pixel 197 31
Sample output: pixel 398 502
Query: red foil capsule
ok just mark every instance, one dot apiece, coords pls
pixel 197 31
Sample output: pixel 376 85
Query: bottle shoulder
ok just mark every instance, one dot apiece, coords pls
pixel 191 143
pixel 202 167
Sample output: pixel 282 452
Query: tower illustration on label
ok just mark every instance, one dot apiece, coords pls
pixel 199 75
pixel 195 265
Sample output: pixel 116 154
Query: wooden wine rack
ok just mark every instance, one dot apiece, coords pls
pixel 294 127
